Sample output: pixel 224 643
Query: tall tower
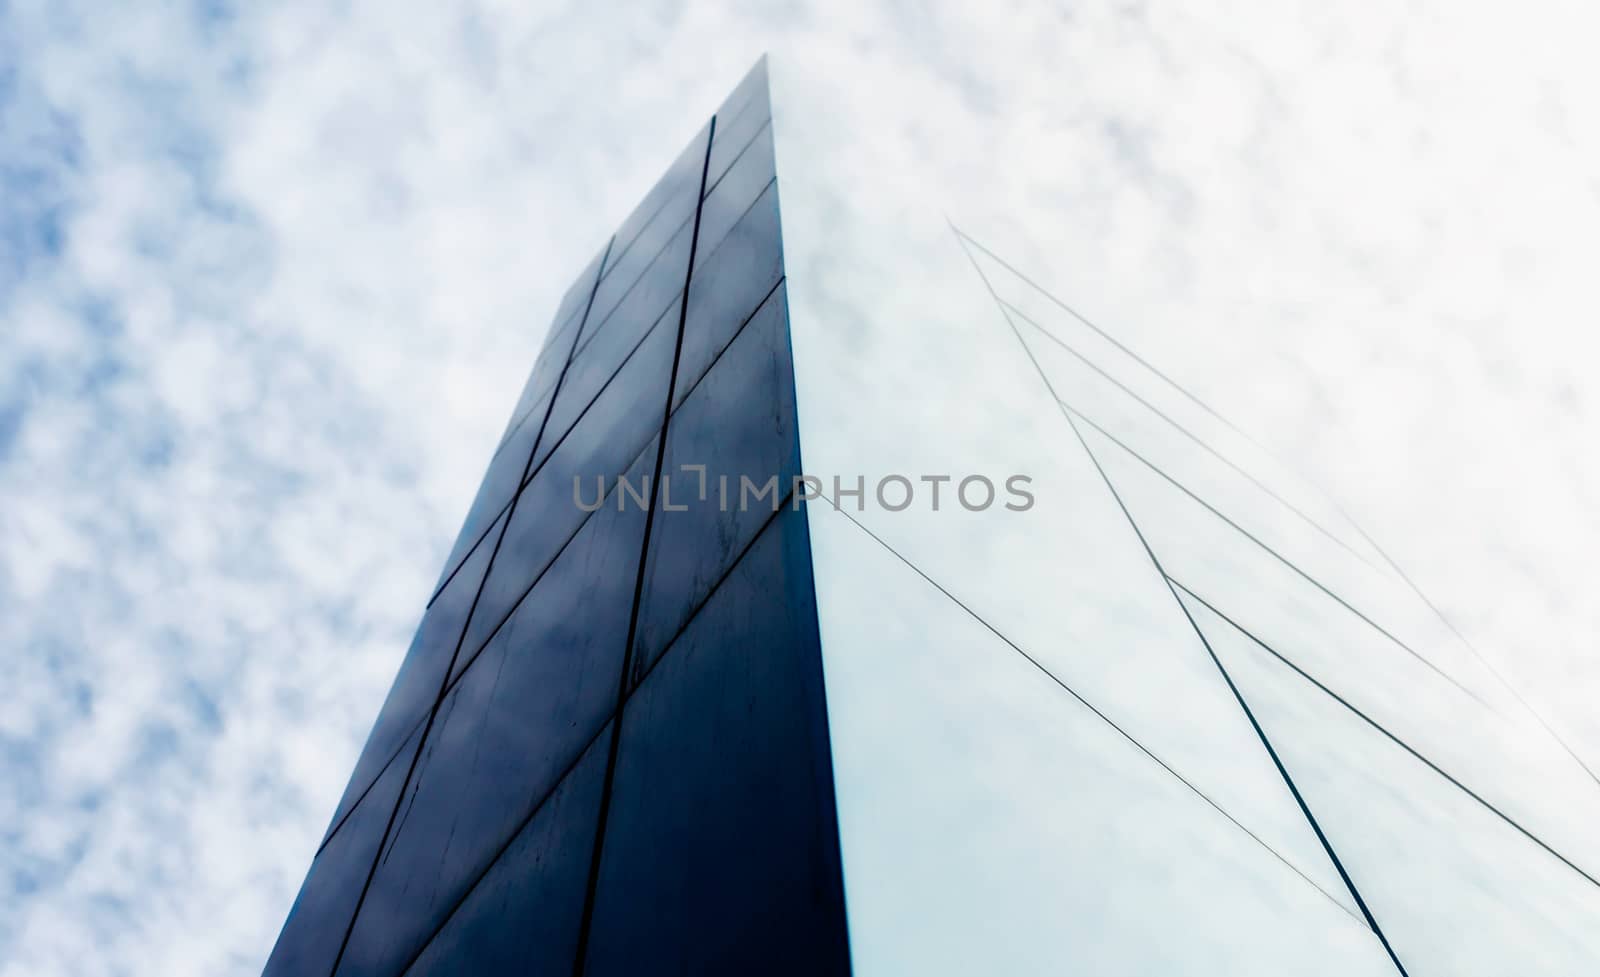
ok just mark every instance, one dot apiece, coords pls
pixel 1038 664
pixel 607 749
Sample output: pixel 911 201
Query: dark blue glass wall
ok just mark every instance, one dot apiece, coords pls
pixel 606 751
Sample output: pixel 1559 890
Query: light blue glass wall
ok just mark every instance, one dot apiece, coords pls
pixel 1180 715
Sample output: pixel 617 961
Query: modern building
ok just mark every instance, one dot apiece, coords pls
pixel 1035 665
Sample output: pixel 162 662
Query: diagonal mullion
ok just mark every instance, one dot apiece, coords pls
pixel 1188 434
pixel 586 921
pixel 1396 740
pixel 444 682
pixel 1290 564
pixel 1107 720
pixel 1482 659
pixel 560 778
pixel 1266 742
pixel 1382 553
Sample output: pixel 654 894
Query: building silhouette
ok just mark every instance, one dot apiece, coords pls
pixel 1038 663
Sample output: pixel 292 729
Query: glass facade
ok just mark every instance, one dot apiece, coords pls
pixel 1175 714
pixel 1038 664
pixel 607 750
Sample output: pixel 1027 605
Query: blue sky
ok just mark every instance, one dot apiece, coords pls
pixel 270 279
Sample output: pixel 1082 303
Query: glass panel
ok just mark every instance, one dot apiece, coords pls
pixel 646 233
pixel 522 917
pixel 1062 573
pixel 524 601
pixel 598 363
pixel 1036 311
pixel 422 673
pixel 316 925
pixel 370 766
pixel 506 470
pixel 576 297
pixel 738 423
pixel 552 358
pixel 991 823
pixel 557 347
pixel 626 415
pixel 1233 481
pixel 1167 454
pixel 721 852
pixel 741 117
pixel 650 289
pixel 751 92
pixel 728 286
pixel 517 720
pixel 734 193
pixel 1433 696
pixel 1456 889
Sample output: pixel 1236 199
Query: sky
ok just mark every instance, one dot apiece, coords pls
pixel 271 278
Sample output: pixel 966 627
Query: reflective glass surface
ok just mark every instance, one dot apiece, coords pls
pixel 753 86
pixel 1458 888
pixel 1354 640
pixel 528 600
pixel 745 112
pixel 596 364
pixel 517 720
pixel 1139 723
pixel 506 470
pixel 731 459
pixel 728 198
pixel 991 822
pixel 720 853
pixel 552 358
pixel 558 343
pixel 527 419
pixel 1152 704
pixel 607 438
pixel 421 675
pixel 523 916
pixel 650 228
pixel 517 834
pixel 576 297
pixel 322 912
pixel 730 284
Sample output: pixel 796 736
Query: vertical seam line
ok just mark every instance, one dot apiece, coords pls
pixel 1261 734
pixel 444 682
pixel 586 922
